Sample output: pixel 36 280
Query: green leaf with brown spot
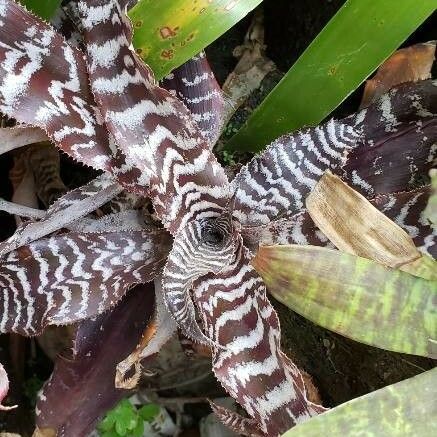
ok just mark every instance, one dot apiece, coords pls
pixel 354 296
pixel 169 32
pixel 352 45
pixel 408 408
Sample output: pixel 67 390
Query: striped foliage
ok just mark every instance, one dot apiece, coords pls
pixel 104 108
pixel 71 277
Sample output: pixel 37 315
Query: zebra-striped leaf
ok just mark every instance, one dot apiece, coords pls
pixel 403 208
pixel 194 83
pixel 169 32
pixel 71 277
pixel 373 150
pixel 353 296
pixel 162 143
pixel 401 409
pixel 81 388
pixel 237 315
pixel 47 86
pixel 68 208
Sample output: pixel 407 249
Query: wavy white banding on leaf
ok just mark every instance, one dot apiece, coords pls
pixel 68 208
pixel 161 135
pixel 358 148
pixel 74 276
pixel 199 248
pixel 236 313
pixel 276 182
pixel 195 84
pixel 32 54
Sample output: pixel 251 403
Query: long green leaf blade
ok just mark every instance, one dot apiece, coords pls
pixel 354 296
pixel 351 46
pixel 169 32
pixel 407 408
pixel 43 8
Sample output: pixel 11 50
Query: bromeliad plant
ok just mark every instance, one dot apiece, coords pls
pixel 103 107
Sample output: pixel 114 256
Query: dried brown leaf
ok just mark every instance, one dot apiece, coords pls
pixel 355 226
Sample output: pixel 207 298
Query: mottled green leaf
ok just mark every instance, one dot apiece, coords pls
pixel 352 45
pixel 169 32
pixel 408 408
pixel 43 8
pixel 354 296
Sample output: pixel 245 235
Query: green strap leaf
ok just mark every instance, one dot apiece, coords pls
pixel 403 409
pixel 351 46
pixel 43 8
pixel 354 296
pixel 169 32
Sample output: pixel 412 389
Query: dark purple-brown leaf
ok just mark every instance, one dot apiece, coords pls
pixel 81 388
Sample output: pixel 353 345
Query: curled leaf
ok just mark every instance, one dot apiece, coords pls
pixel 354 225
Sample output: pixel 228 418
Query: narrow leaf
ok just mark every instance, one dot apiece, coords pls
pixel 355 226
pixel 350 47
pixel 353 296
pixel 194 83
pixel 405 408
pixel 81 388
pixel 170 32
pixel 68 208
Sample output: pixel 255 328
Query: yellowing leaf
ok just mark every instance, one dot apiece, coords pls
pixel 353 296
